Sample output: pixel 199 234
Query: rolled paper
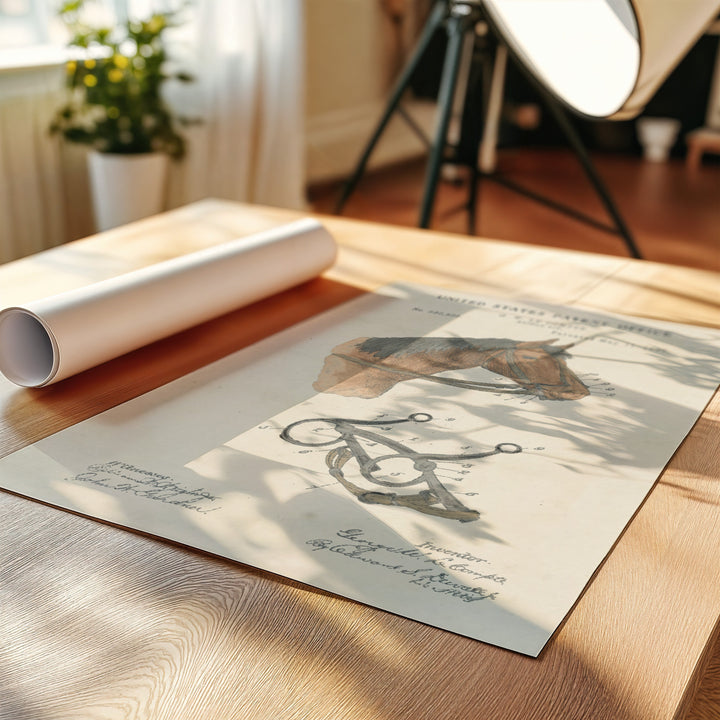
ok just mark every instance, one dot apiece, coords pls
pixel 53 338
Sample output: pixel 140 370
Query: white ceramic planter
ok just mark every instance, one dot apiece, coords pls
pixel 657 135
pixel 126 187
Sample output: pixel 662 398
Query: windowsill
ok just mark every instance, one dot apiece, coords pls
pixel 32 58
pixel 37 57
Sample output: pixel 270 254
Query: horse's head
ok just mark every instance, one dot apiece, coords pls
pixel 369 367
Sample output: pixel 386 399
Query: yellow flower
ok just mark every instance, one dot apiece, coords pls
pixel 89 63
pixel 120 61
pixel 90 80
pixel 71 66
pixel 115 75
pixel 155 24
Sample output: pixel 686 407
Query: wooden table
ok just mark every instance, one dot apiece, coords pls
pixel 98 622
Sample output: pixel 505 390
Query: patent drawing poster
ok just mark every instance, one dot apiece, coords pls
pixel 463 461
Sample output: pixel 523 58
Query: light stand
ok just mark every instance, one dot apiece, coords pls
pixel 460 18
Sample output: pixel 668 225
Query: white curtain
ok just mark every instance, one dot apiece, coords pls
pixel 248 60
pixel 249 63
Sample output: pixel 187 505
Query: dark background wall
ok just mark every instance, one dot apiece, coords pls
pixel 683 95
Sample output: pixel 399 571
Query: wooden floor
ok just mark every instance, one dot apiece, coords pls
pixel 673 213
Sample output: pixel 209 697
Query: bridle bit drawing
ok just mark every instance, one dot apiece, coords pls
pixel 435 499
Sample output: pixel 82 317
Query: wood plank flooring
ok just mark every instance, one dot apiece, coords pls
pixel 672 212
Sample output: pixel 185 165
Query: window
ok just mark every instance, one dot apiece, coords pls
pixel 23 23
pixel 32 34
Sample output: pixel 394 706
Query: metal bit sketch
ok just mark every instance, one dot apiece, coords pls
pixel 368 367
pixel 348 437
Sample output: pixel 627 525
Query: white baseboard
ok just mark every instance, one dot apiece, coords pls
pixel 335 140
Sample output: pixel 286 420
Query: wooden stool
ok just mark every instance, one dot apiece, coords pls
pixel 701 141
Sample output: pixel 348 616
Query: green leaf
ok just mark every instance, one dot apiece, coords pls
pixel 117 105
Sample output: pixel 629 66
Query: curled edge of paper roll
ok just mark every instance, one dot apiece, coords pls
pixel 50 339
pixel 30 353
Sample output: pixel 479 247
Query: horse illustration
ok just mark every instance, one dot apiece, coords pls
pixel 367 367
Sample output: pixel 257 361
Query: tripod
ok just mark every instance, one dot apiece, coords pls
pixel 460 18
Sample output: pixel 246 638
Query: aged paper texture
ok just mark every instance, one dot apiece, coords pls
pixel 463 461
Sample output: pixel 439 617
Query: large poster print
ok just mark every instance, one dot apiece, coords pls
pixel 463 461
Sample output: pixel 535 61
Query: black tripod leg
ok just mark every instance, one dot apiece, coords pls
pixel 483 88
pixel 456 27
pixel 473 192
pixel 434 21
pixel 577 145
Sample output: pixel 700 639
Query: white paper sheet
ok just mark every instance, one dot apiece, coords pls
pixel 463 461
pixel 50 339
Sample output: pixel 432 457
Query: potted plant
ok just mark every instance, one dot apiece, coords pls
pixel 115 106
